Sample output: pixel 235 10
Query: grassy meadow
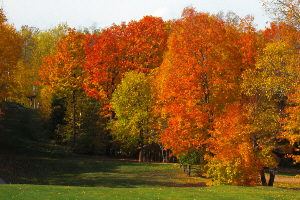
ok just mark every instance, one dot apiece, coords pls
pixel 39 169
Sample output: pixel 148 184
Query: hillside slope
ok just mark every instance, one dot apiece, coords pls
pixel 24 148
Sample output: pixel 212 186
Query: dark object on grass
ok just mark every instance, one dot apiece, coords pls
pixel 3 180
pixel 272 177
pixel 263 178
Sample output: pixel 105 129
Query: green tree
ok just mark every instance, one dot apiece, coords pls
pixel 132 103
pixel 57 116
pixel 92 134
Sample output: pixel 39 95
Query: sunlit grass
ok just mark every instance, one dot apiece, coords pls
pixel 216 192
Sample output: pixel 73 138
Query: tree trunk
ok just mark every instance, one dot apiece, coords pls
pixel 142 145
pixel 263 178
pixel 110 151
pixel 189 171
pixel 74 127
pixel 272 177
pixel 162 154
pixel 167 156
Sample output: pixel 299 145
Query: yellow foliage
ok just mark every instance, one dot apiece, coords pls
pixel 10 52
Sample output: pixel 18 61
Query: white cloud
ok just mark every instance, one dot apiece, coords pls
pixel 161 12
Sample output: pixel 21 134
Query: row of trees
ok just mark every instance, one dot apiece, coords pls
pixel 211 88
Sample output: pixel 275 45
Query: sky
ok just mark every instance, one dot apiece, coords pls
pixel 45 14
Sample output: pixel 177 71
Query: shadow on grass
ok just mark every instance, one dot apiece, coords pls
pixel 24 159
pixel 92 173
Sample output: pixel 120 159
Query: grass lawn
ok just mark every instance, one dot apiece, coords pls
pixel 215 192
pixel 28 164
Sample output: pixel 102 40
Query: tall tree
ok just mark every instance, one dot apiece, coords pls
pixel 198 81
pixel 10 52
pixel 25 75
pixel 46 46
pixel 284 61
pixel 133 103
pixel 200 75
pixel 267 86
pixel 105 62
pixel 64 70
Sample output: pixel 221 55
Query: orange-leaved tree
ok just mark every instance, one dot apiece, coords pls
pixel 199 76
pixel 105 63
pixel 199 79
pixel 138 45
pixel 10 52
pixel 233 159
pixel 63 72
pixel 146 43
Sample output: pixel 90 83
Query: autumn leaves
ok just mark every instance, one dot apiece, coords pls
pixel 202 83
pixel 202 95
pixel 10 52
pixel 227 89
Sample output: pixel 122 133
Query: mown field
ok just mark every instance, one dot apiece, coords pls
pixel 39 169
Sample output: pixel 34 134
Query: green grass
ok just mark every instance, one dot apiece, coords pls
pixel 71 192
pixel 26 161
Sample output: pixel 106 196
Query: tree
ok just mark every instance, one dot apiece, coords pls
pixel 138 45
pixel 291 125
pixel 10 52
pixel 57 116
pixel 45 46
pixel 199 76
pixel 286 11
pixel 267 87
pixel 146 43
pixel 233 159
pixel 199 85
pixel 105 63
pixel 64 70
pixel 120 49
pixel 133 103
pixel 25 75
pixel 92 134
pixel 285 63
